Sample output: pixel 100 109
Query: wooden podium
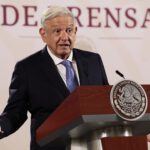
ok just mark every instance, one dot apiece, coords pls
pixel 87 116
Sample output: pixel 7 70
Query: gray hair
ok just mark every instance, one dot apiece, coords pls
pixel 55 11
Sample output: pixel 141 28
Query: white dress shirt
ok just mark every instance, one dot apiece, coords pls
pixel 61 68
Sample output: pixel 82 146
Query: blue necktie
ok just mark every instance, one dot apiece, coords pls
pixel 71 79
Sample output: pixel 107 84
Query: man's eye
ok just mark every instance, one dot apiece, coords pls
pixel 56 30
pixel 69 30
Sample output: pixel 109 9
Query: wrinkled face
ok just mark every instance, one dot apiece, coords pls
pixel 59 34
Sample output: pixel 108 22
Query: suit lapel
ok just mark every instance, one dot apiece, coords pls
pixel 82 64
pixel 48 66
pixel 50 70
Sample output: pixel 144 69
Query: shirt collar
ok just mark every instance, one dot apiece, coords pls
pixel 58 60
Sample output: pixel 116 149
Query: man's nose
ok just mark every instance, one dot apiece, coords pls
pixel 64 36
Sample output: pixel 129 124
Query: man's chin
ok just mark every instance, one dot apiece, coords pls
pixel 64 54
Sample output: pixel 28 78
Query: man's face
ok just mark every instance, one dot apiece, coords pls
pixel 59 34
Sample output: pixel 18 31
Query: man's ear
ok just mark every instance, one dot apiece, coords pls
pixel 76 29
pixel 43 34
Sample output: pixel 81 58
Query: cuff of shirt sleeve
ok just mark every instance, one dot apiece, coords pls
pixel 1 132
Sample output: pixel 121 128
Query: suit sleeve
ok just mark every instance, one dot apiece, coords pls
pixel 15 112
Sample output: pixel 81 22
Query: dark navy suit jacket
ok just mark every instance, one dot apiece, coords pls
pixel 37 87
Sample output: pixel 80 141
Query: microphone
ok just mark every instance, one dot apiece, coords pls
pixel 120 74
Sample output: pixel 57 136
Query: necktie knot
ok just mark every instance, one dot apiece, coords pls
pixel 67 63
pixel 71 79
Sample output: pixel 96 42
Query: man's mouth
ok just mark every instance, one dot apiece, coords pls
pixel 64 45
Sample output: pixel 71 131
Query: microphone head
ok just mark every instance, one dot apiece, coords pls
pixel 120 74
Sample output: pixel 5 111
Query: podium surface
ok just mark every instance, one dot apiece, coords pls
pixel 86 110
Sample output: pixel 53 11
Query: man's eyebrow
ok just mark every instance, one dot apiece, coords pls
pixel 71 25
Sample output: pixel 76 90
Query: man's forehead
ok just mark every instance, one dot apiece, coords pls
pixel 61 26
